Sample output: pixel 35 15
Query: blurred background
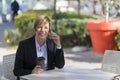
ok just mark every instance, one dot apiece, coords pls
pixel 83 6
pixel 69 18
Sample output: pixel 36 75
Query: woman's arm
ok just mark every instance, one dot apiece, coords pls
pixel 19 62
pixel 59 58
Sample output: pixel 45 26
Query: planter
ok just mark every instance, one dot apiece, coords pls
pixel 102 35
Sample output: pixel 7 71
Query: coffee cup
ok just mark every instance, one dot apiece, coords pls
pixel 41 61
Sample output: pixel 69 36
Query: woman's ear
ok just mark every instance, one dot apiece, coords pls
pixel 50 30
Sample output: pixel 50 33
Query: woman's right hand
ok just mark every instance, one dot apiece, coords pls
pixel 37 70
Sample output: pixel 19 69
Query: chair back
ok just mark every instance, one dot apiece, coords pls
pixel 8 65
pixel 111 61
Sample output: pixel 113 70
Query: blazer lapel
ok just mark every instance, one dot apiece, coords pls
pixel 50 51
pixel 33 49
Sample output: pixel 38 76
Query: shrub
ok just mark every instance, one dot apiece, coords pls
pixel 117 39
pixel 72 31
pixel 61 15
pixel 12 36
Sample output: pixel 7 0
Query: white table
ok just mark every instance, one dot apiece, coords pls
pixel 71 74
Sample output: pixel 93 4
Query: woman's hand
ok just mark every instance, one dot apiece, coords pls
pixel 55 37
pixel 38 69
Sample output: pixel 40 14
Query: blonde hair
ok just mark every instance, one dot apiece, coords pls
pixel 41 20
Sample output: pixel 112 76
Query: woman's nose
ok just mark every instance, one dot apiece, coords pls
pixel 42 29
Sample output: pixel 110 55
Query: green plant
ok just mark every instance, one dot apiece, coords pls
pixel 73 32
pixel 71 29
pixel 12 36
pixel 69 15
pixel 117 39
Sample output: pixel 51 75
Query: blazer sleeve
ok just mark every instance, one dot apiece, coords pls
pixel 19 62
pixel 55 56
pixel 59 58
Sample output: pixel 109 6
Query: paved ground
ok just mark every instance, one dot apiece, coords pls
pixel 80 57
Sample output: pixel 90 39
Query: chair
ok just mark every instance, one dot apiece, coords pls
pixel 111 61
pixel 8 65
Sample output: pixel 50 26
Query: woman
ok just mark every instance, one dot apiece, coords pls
pixel 45 43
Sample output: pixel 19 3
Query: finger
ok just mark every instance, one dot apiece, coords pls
pixel 53 33
pixel 50 31
pixel 54 37
pixel 38 67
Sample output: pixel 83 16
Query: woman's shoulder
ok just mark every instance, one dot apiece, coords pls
pixel 28 40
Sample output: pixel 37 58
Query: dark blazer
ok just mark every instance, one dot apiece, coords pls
pixel 26 56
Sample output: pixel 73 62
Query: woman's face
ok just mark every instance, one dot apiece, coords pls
pixel 42 31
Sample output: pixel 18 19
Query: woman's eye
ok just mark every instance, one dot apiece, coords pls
pixel 46 28
pixel 39 28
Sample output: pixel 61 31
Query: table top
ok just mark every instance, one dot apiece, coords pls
pixel 71 74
